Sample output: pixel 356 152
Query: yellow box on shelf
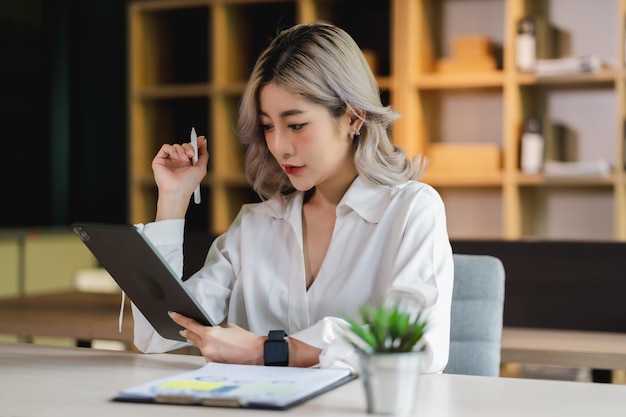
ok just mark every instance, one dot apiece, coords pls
pixel 471 46
pixel 456 65
pixel 455 157
pixel 469 53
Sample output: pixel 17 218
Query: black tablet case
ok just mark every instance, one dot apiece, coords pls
pixel 142 274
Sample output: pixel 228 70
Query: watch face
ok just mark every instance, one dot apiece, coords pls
pixel 276 354
pixel 276 349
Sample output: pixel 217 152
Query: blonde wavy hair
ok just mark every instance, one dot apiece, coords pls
pixel 323 64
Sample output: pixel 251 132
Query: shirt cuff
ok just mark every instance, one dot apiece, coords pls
pixel 164 232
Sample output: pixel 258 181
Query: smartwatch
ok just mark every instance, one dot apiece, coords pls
pixel 276 349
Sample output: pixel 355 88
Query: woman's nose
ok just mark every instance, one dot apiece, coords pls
pixel 282 145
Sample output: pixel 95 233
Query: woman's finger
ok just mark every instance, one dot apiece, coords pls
pixel 186 322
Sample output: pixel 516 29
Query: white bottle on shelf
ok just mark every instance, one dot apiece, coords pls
pixel 526 44
pixel 533 146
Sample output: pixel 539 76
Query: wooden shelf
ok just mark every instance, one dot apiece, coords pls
pixel 464 179
pixel 189 61
pixel 603 76
pixel 471 80
pixel 175 91
pixel 582 181
pixel 588 108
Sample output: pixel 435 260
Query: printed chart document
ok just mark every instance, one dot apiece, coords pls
pixel 226 385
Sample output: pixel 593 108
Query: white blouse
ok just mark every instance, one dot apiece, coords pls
pixel 387 245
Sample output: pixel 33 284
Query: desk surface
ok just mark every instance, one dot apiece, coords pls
pixel 74 314
pixel 66 382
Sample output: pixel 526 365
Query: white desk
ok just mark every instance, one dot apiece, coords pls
pixel 71 382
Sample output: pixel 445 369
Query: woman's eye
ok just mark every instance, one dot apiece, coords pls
pixel 266 128
pixel 297 127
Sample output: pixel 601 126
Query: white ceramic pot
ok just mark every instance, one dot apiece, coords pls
pixel 390 381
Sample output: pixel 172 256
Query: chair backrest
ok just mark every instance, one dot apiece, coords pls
pixel 476 316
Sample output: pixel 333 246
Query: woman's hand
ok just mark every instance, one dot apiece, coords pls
pixel 177 177
pixel 225 344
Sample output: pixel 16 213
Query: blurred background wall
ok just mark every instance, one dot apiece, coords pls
pixel 62 111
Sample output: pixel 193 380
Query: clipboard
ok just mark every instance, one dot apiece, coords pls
pixel 142 273
pixel 239 386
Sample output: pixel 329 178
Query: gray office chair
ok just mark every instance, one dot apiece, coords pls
pixel 476 317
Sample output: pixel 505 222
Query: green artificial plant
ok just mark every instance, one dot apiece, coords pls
pixel 385 329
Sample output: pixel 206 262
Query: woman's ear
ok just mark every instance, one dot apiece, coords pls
pixel 357 118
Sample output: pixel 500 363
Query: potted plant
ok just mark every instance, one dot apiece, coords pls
pixel 388 342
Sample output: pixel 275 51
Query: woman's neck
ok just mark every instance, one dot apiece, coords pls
pixel 329 193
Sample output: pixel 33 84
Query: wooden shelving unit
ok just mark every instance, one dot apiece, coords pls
pixel 491 107
pixel 189 61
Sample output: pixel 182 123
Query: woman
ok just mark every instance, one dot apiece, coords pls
pixel 342 222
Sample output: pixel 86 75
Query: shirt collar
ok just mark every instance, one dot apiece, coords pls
pixel 366 200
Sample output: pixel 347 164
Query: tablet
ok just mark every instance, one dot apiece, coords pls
pixel 141 272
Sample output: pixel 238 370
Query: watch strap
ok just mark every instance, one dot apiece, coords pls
pixel 276 349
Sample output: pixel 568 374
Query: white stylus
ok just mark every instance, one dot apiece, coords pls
pixel 194 143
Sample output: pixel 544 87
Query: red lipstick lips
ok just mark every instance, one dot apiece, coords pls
pixel 292 170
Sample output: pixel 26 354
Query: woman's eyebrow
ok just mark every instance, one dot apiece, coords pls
pixel 292 112
pixel 284 114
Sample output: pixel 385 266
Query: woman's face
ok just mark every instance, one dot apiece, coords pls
pixel 311 146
